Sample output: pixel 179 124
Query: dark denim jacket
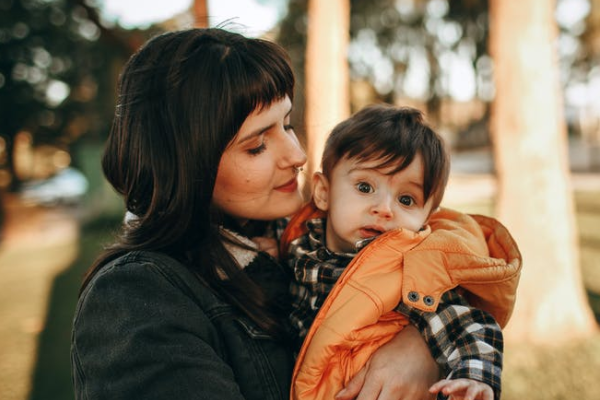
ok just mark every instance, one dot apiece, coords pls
pixel 147 328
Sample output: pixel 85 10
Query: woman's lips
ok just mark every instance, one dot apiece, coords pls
pixel 288 187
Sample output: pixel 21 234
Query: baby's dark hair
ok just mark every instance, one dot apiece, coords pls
pixel 394 135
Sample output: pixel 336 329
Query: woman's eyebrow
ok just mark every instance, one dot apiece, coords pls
pixel 262 130
pixel 256 133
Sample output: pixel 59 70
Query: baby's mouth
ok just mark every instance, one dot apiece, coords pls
pixel 368 234
pixel 370 231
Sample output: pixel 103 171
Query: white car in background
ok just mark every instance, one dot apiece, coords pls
pixel 68 186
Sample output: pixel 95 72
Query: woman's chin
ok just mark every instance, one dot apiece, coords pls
pixel 295 203
pixel 283 207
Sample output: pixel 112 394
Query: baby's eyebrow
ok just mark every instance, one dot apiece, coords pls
pixel 417 184
pixel 360 168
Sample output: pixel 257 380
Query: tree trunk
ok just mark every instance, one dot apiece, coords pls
pixel 327 73
pixel 535 199
pixel 200 10
pixel 9 163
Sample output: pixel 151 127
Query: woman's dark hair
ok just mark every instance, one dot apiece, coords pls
pixel 181 100
pixel 394 135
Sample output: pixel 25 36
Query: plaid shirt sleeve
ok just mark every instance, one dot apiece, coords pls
pixel 464 341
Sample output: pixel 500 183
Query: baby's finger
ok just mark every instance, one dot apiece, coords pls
pixel 479 392
pixel 439 385
pixel 456 385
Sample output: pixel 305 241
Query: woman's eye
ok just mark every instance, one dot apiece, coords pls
pixel 364 187
pixel 406 200
pixel 288 127
pixel 257 150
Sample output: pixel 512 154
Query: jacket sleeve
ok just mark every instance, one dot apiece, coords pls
pixel 464 341
pixel 474 252
pixel 138 335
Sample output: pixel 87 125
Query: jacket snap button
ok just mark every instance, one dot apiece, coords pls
pixel 428 300
pixel 413 296
pixel 322 254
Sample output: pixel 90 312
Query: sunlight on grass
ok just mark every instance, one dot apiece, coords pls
pixel 567 372
pixel 588 222
pixel 26 275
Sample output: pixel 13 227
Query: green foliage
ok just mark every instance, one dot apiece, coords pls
pixel 427 36
pixel 390 38
pixel 59 65
pixel 51 64
pixel 411 49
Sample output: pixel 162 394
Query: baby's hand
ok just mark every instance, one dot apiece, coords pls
pixel 463 389
pixel 268 245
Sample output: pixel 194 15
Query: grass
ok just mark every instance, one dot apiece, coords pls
pixel 531 372
pixel 568 372
pixel 52 373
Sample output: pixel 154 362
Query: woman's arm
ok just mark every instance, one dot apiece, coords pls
pixel 401 369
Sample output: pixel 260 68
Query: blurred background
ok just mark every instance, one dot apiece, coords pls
pixel 512 86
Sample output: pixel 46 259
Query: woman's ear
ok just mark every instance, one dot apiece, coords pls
pixel 320 185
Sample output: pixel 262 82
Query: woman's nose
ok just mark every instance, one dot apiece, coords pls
pixel 292 152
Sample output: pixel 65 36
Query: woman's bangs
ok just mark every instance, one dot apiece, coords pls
pixel 267 81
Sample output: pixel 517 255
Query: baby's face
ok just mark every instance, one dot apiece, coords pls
pixel 364 201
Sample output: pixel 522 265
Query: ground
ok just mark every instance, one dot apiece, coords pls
pixel 44 252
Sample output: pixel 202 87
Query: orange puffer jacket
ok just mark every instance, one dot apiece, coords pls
pixel 474 252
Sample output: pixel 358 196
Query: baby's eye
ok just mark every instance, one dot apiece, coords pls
pixel 406 200
pixel 364 187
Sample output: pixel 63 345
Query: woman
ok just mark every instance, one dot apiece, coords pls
pixel 182 305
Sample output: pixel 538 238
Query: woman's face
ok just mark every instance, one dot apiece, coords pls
pixel 257 177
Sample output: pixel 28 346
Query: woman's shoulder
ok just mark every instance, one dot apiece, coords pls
pixel 149 263
pixel 144 273
pixel 144 261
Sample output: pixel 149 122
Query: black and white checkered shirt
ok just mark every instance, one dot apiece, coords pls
pixel 465 342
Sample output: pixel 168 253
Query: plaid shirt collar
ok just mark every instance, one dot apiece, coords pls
pixel 317 238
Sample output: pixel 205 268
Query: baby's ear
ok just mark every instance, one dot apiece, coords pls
pixel 320 185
